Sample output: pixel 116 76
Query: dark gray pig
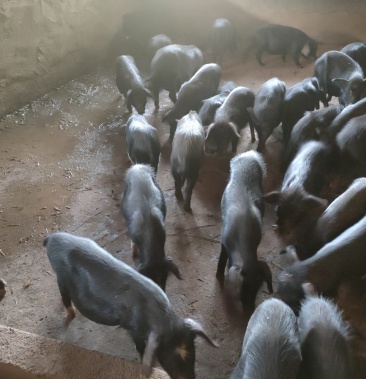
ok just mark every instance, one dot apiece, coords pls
pixel 171 66
pixel 155 43
pixel 188 151
pixel 349 112
pixel 301 97
pixel 267 110
pixel 109 292
pixel 339 75
pixel 130 84
pixel 210 106
pixel 230 118
pixel 342 258
pixel 203 84
pixel 357 51
pixel 324 340
pixel 312 126
pixel 2 288
pixel 142 142
pixel 351 140
pixel 271 346
pixel 222 38
pixel 283 40
pixel 298 204
pixel 342 213
pixel 143 208
pixel 242 209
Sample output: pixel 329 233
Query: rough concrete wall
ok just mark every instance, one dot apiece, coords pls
pixel 45 43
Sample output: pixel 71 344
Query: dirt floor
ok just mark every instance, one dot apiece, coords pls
pixel 62 161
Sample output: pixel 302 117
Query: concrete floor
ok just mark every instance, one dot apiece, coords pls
pixel 62 161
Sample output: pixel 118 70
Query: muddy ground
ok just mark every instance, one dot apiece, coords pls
pixel 62 161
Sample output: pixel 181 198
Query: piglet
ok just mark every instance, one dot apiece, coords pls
pixel 109 292
pixel 324 340
pixel 143 208
pixel 142 142
pixel 271 347
pixel 130 84
pixel 266 113
pixel 230 118
pixel 242 209
pixel 187 156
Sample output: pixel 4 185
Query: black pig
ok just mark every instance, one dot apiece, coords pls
pixel 155 43
pixel 339 75
pixel 210 106
pixel 266 113
pixel 271 346
pixel 203 84
pixel 109 292
pixel 342 258
pixel 357 51
pixel 283 40
pixel 142 142
pixel 130 84
pixel 171 66
pixel 242 209
pixel 222 38
pixel 301 97
pixel 324 341
pixel 188 151
pixel 230 118
pixel 143 207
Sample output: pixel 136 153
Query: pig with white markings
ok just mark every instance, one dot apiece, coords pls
pixel 142 142
pixel 144 210
pixel 242 209
pixel 109 292
pixel 230 118
pixel 130 84
pixel 271 347
pixel 324 340
pixel 266 113
pixel 188 151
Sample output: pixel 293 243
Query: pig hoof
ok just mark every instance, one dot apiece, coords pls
pixel 179 195
pixel 70 315
pixel 275 227
pixel 187 208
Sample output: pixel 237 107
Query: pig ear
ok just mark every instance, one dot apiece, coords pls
pixel 273 197
pixel 172 267
pixel 309 289
pixel 316 203
pixel 149 356
pixel 340 82
pixel 267 275
pixel 235 130
pixel 209 130
pixel 197 328
pixel 291 251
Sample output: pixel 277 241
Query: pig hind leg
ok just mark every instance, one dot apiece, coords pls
pixel 66 300
pixel 178 184
pixel 260 51
pixel 221 264
pixel 191 181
